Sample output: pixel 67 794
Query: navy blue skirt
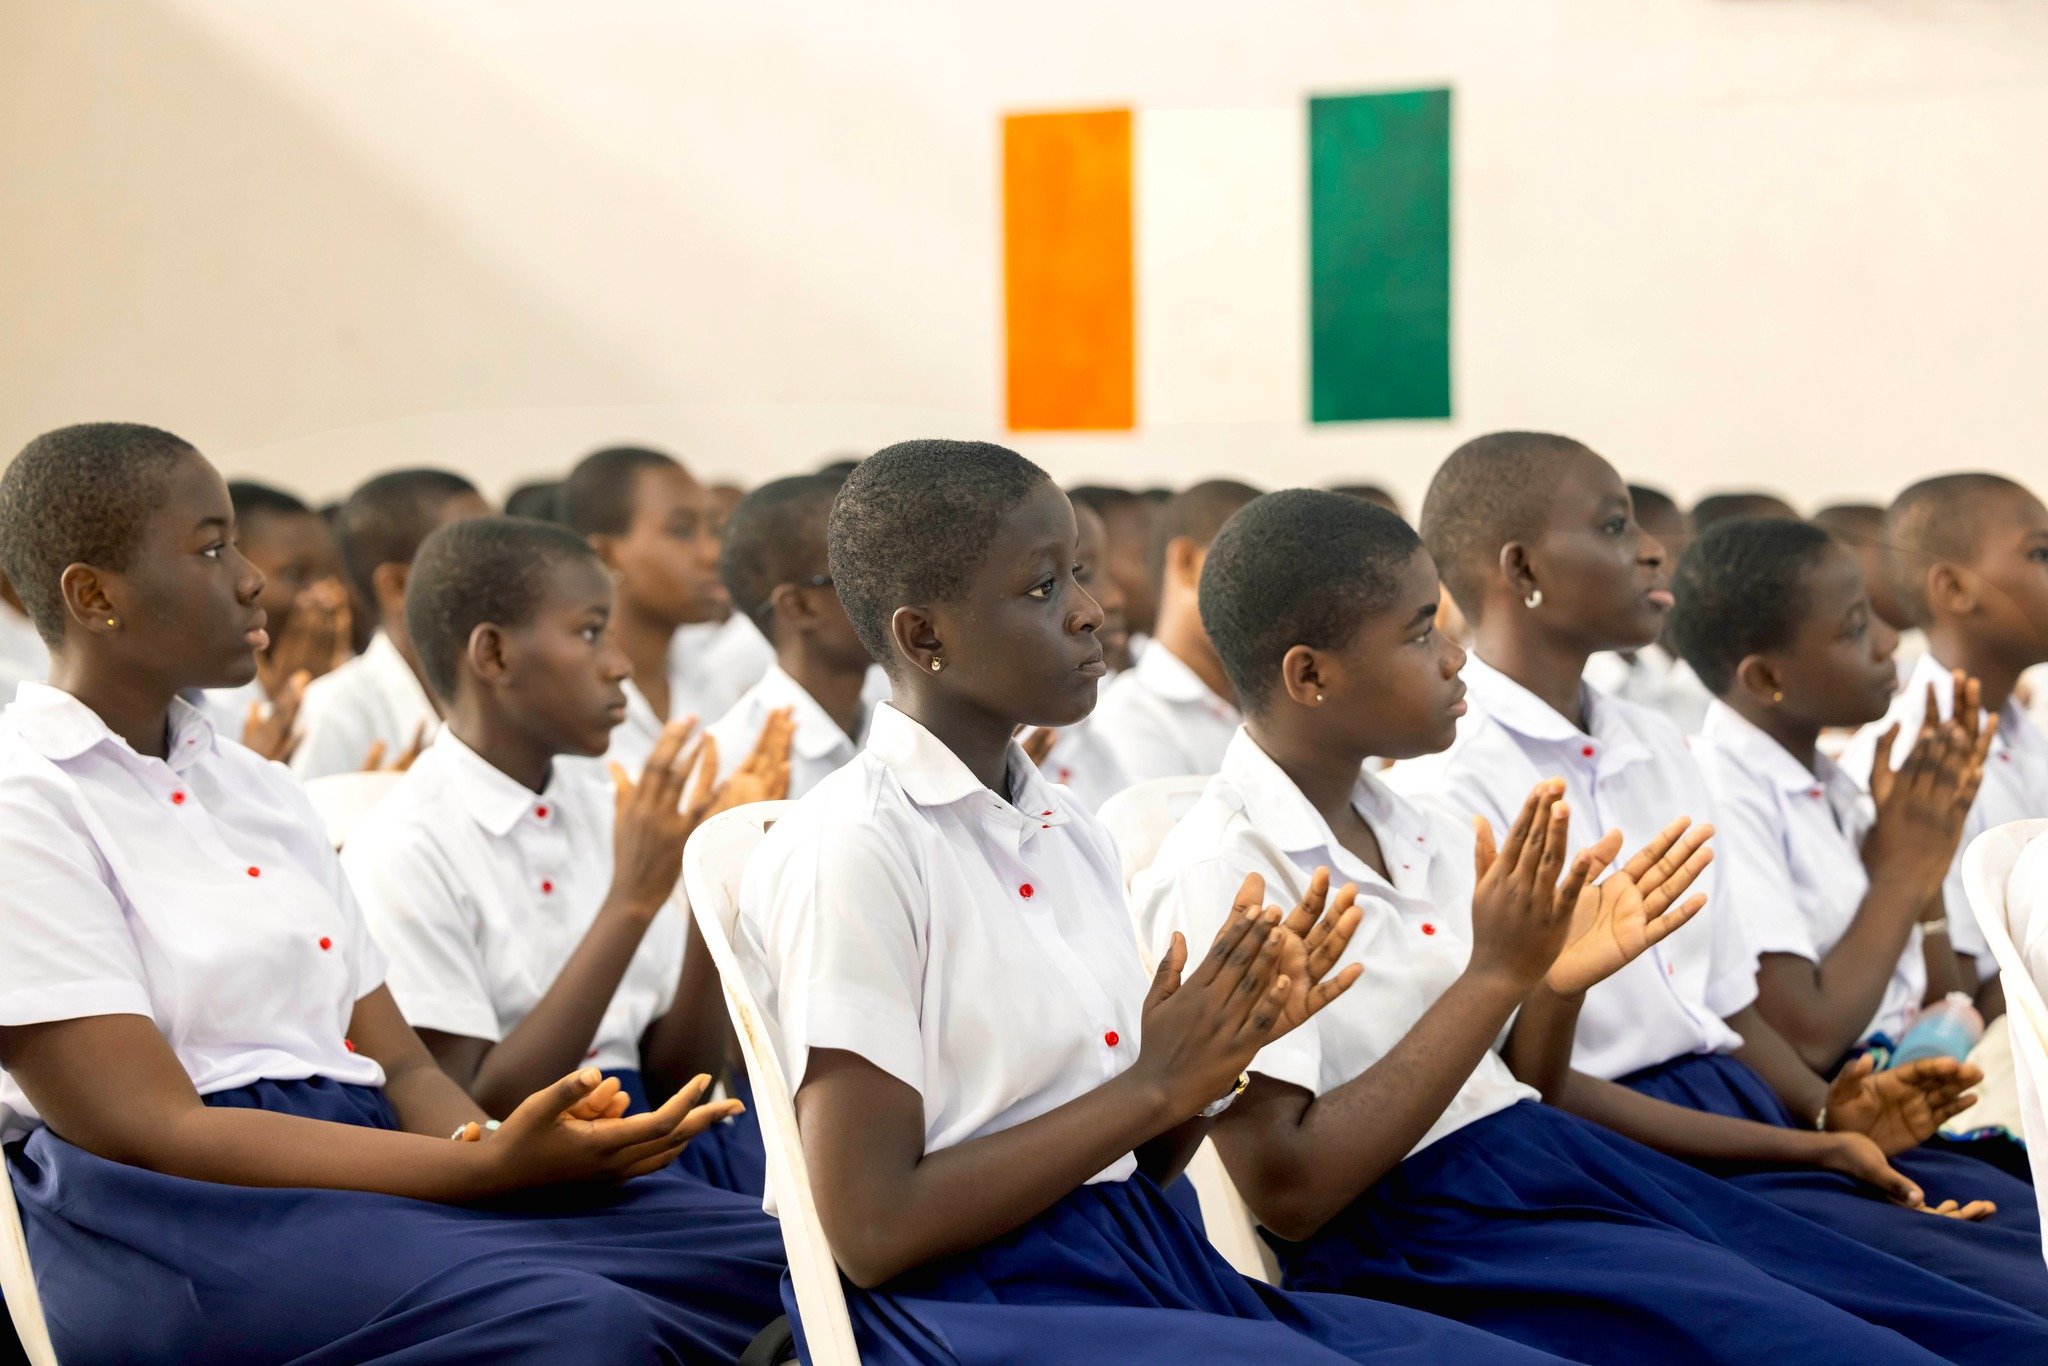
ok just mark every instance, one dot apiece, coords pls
pixel 135 1266
pixel 2000 1256
pixel 728 1155
pixel 1542 1227
pixel 1115 1273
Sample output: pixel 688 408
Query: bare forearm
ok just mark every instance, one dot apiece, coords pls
pixel 1766 1051
pixel 427 1100
pixel 242 1147
pixel 1297 1177
pixel 1539 1050
pixel 694 1034
pixel 1168 1155
pixel 1825 1014
pixel 1944 970
pixel 1673 1129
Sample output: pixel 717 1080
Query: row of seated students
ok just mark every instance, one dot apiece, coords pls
pixel 1554 1043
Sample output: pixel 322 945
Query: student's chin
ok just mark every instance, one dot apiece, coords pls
pixel 235 670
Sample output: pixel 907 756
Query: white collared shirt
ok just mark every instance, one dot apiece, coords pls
pixel 1413 940
pixel 198 891
pixel 816 748
pixel 1789 847
pixel 23 656
pixel 2026 915
pixel 1082 761
pixel 1632 773
pixel 2015 784
pixel 480 889
pixel 978 950
pixel 1655 678
pixel 711 663
pixel 375 696
pixel 1160 720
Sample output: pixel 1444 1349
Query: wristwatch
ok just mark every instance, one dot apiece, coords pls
pixel 1228 1098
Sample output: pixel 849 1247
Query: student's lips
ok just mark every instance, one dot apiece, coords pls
pixel 1095 667
pixel 1457 707
pixel 1661 599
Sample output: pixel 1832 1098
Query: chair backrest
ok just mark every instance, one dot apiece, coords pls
pixel 1141 816
pixel 1987 874
pixel 343 799
pixel 18 1283
pixel 713 862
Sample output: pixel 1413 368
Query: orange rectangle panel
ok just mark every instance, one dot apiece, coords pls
pixel 1067 271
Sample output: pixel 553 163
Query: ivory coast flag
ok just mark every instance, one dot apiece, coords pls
pixel 1229 265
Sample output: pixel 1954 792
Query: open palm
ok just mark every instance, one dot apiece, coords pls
pixel 1618 919
pixel 1904 1106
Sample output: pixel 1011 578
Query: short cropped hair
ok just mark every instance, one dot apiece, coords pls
pixel 252 500
pixel 597 497
pixel 485 569
pixel 79 495
pixel 1934 521
pixel 1103 499
pixel 1492 490
pixel 1750 503
pixel 385 520
pixel 1742 589
pixel 776 535
pixel 1298 567
pixel 913 523
pixel 1654 502
pixel 538 499
pixel 1197 513
pixel 1376 494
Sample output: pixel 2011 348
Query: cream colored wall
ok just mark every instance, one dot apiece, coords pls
pixel 1727 241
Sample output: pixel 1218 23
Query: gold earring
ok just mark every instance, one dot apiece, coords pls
pixel 1319 697
pixel 112 622
pixel 938 664
pixel 1777 697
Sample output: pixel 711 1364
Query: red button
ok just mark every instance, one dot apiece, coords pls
pixel 325 943
pixel 1813 792
pixel 1045 813
pixel 1045 827
pixel 591 1054
pixel 255 872
pixel 1671 969
pixel 177 799
pixel 1025 891
pixel 1587 751
pixel 349 1044
pixel 1429 929
pixel 547 888
pixel 541 811
pixel 1110 1038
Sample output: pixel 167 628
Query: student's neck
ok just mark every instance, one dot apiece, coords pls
pixel 1180 631
pixel 1551 669
pixel 1797 738
pixel 831 686
pixel 505 747
pixel 978 740
pixel 1953 648
pixel 137 710
pixel 401 640
pixel 646 641
pixel 1328 779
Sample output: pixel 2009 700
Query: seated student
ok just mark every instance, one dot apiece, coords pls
pixel 1127 522
pixel 715 661
pixel 1535 535
pixel 1385 1137
pixel 235 1147
pixel 1655 676
pixel 1965 556
pixel 538 934
pixel 1077 756
pixel 988 1093
pixel 1172 713
pixel 650 522
pixel 375 707
pixel 773 563
pixel 23 656
pixel 307 609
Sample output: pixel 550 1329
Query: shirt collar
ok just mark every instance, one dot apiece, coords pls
pixel 1168 675
pixel 1614 741
pixel 60 727
pixel 933 775
pixel 1280 813
pixel 394 676
pixel 1728 729
pixel 817 736
pixel 493 798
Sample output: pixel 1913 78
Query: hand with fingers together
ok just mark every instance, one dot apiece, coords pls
pixel 572 1132
pixel 1902 1107
pixel 273 731
pixel 315 638
pixel 1619 918
pixel 373 761
pixel 1521 911
pixel 1923 804
pixel 1318 931
pixel 763 776
pixel 651 824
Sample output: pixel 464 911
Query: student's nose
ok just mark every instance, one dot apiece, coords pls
pixel 1651 551
pixel 1087 613
pixel 1454 658
pixel 612 663
pixel 249 580
pixel 1884 641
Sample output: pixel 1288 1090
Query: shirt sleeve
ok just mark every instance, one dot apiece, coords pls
pixel 838 915
pixel 429 929
pixel 1731 960
pixel 1753 876
pixel 69 952
pixel 1143 747
pixel 334 735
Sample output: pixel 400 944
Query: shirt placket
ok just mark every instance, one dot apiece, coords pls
pixel 1015 833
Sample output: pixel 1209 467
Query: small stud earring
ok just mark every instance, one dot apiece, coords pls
pixel 1777 697
pixel 1534 600
pixel 938 664
pixel 112 622
pixel 1319 698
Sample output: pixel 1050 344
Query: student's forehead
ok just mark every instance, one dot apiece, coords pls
pixel 576 583
pixel 669 486
pixel 194 492
pixel 1835 581
pixel 1038 520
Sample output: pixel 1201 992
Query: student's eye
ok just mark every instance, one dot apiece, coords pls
pixel 1083 575
pixel 591 633
pixel 1615 526
pixel 1428 634
pixel 215 551
pixel 1042 590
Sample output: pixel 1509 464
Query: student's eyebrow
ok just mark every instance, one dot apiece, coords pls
pixel 207 523
pixel 1428 611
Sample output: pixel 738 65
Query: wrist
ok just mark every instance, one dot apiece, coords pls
pixel 635 906
pixel 1155 1105
pixel 1498 982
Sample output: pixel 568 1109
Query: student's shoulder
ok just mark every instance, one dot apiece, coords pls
pixel 858 807
pixel 334 687
pixel 1216 829
pixel 35 791
pixel 419 815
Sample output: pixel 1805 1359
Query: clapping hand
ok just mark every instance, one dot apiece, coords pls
pixel 1618 919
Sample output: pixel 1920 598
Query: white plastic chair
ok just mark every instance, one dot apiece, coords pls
pixel 1139 819
pixel 1141 816
pixel 343 799
pixel 713 861
pixel 1987 871
pixel 18 1284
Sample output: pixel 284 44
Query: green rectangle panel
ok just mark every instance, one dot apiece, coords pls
pixel 1379 176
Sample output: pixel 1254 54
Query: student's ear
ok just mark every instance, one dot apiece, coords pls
pixel 1303 675
pixel 87 599
pixel 1184 562
pixel 1516 571
pixel 917 639
pixel 1759 678
pixel 1951 590
pixel 389 580
pixel 486 654
pixel 788 602
pixel 607 548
